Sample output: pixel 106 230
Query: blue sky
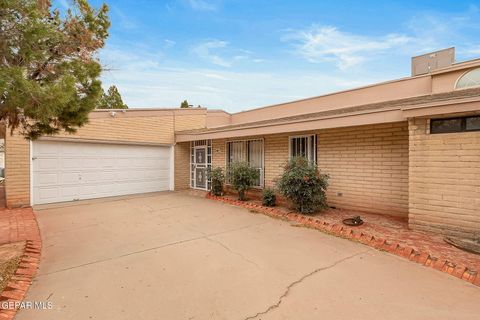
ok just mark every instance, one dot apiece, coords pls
pixel 240 54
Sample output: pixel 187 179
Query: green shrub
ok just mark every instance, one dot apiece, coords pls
pixel 303 185
pixel 242 177
pixel 269 198
pixel 217 177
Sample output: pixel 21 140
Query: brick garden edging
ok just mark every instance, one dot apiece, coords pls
pixel 23 227
pixel 465 273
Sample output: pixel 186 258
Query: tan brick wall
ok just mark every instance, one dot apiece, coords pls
pixel 189 122
pixel 444 180
pixel 135 129
pixel 276 156
pixel 132 126
pixel 182 165
pixel 367 164
pixel 17 171
pixel 219 153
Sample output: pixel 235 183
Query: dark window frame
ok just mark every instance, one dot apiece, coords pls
pixel 463 124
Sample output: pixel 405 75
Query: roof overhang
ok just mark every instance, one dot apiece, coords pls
pixel 450 107
pixel 457 102
pixel 338 121
pixel 103 141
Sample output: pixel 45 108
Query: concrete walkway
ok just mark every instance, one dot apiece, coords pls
pixel 174 256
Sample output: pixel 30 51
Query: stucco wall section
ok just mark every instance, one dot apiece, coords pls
pixel 444 180
pixel 368 165
pixel 182 165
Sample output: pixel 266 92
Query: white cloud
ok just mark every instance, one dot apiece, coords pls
pixel 202 5
pixel 166 87
pixel 423 32
pixel 215 76
pixel 205 50
pixel 144 81
pixel 328 44
pixel 435 31
pixel 167 43
pixel 219 52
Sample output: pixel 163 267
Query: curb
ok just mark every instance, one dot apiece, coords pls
pixel 424 258
pixel 17 288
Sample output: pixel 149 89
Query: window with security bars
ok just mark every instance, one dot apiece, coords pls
pixel 250 151
pixel 304 146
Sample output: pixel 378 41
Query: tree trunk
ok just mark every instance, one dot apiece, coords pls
pixel 241 195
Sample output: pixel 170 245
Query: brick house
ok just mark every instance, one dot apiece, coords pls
pixel 408 147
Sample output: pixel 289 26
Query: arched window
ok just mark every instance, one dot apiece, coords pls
pixel 469 79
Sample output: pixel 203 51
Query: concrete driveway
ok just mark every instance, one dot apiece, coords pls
pixel 175 256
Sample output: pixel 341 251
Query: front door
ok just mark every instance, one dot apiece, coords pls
pixel 200 167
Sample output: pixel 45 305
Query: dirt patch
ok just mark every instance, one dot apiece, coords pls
pixel 10 255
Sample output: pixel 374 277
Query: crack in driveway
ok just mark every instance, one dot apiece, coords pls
pixel 209 237
pixel 296 282
pixel 233 252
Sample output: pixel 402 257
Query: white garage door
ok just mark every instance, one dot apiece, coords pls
pixel 66 171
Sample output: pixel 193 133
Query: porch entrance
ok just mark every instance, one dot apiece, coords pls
pixel 200 164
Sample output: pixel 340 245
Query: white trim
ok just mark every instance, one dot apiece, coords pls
pixel 308 136
pixel 193 147
pixel 103 141
pixel 172 168
pixel 205 147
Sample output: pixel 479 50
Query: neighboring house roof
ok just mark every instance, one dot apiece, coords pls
pixel 400 104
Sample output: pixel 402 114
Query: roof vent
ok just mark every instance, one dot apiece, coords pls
pixel 429 62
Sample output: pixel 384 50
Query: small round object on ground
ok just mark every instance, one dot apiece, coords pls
pixel 355 221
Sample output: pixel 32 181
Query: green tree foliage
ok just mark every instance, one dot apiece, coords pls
pixel 218 178
pixel 112 99
pixel 184 104
pixel 48 69
pixel 269 198
pixel 242 177
pixel 302 184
